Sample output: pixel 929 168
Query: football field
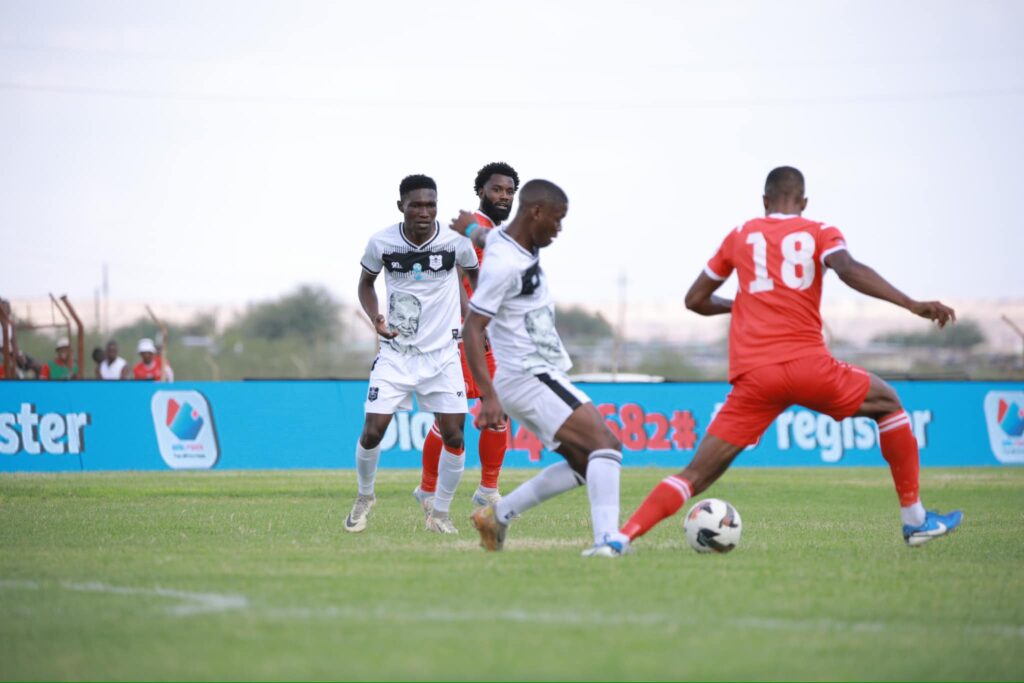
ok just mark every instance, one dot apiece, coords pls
pixel 221 575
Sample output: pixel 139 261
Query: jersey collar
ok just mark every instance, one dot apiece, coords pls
pixel 502 233
pixel 437 231
pixel 783 216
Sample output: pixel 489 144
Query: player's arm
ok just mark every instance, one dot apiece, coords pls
pixel 463 296
pixel 866 280
pixel 368 300
pixel 491 415
pixel 464 222
pixel 473 275
pixel 702 299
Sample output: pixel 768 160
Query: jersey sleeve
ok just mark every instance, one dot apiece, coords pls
pixel 830 240
pixel 465 254
pixel 720 266
pixel 371 261
pixel 497 282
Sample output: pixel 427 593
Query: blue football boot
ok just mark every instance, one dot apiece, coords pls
pixel 935 525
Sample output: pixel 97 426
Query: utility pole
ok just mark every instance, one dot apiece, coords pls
pixel 620 329
pixel 106 302
pixel 1020 333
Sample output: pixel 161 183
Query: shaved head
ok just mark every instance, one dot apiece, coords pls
pixel 784 182
pixel 541 192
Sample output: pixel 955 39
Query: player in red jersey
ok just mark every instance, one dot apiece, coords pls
pixel 777 356
pixel 495 185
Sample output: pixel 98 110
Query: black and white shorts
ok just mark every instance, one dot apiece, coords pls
pixel 434 378
pixel 541 403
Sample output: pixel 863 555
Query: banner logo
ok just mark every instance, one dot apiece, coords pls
pixel 34 433
pixel 184 430
pixel 1004 417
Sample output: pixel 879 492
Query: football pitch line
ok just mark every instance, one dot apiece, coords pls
pixel 190 604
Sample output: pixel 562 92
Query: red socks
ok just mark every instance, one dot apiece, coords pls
pixel 431 456
pixel 493 444
pixel 899 447
pixel 664 501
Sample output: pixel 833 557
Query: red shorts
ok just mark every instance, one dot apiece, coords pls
pixel 819 382
pixel 471 389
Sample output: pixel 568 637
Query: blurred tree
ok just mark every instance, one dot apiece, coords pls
pixel 310 313
pixel 669 362
pixel 576 323
pixel 965 334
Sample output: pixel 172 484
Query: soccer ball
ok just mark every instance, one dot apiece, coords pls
pixel 712 526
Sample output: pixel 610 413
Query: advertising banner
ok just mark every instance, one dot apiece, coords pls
pixel 92 426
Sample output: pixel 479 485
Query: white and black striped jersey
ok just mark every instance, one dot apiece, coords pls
pixel 422 286
pixel 513 292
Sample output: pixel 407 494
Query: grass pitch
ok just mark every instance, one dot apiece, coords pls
pixel 220 575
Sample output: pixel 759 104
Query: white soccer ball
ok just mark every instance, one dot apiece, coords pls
pixel 712 526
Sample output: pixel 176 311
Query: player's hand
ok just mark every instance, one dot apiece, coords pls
pixel 934 310
pixel 381 325
pixel 464 220
pixel 491 415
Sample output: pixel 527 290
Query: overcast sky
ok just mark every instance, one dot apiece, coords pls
pixel 229 151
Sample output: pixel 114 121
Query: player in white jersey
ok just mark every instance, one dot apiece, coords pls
pixel 530 383
pixel 419 351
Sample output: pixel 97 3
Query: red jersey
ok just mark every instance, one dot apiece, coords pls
pixel 780 262
pixel 485 223
pixel 153 371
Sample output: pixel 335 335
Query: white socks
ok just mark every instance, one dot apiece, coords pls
pixel 551 481
pixel 913 515
pixel 449 474
pixel 603 468
pixel 366 468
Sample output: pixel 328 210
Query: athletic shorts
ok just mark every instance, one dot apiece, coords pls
pixel 434 378
pixel 472 391
pixel 819 382
pixel 541 403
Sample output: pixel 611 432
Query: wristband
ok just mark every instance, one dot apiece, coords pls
pixel 471 227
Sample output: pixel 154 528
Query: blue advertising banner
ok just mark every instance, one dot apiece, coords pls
pixel 64 426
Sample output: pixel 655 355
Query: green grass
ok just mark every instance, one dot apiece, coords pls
pixel 250 576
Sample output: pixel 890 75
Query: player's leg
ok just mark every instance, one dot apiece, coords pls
pixel 449 473
pixel 493 444
pixel 899 448
pixel 367 456
pixel 432 444
pixel 533 403
pixel 755 400
pixel 713 457
pixel 442 392
pixel 592 450
pixel 389 392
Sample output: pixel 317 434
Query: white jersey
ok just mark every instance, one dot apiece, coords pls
pixel 422 287
pixel 513 292
pixel 112 370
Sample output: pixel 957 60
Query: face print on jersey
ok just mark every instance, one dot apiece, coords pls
pixel 540 326
pixel 404 315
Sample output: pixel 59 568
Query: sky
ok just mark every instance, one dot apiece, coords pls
pixel 222 152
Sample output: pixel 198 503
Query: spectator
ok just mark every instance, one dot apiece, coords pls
pixel 5 307
pixel 61 367
pixel 151 366
pixel 111 366
pixel 26 368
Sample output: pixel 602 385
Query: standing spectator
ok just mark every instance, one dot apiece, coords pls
pixel 27 368
pixel 8 323
pixel 112 366
pixel 151 367
pixel 61 367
